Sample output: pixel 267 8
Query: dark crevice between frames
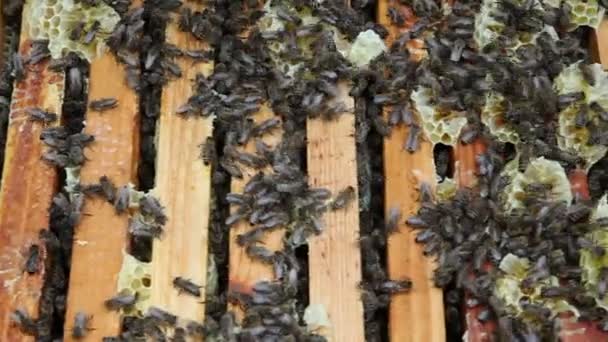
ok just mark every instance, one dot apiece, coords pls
pixel 371 219
pixel 151 87
pixel 59 238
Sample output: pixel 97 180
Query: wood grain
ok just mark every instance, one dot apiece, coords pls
pixel 183 184
pixel 466 177
pixel 243 272
pixel 419 314
pixel 599 43
pixel 572 330
pixel 101 236
pixel 334 255
pixel 28 186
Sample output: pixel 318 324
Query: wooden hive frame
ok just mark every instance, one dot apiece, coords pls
pixel 101 234
pixel 419 314
pixel 183 184
pixel 28 186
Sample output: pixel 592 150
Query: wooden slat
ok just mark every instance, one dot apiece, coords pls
pixel 101 236
pixel 243 272
pixel 587 331
pixel 418 315
pixel 334 255
pixel 599 43
pixel 466 177
pixel 183 184
pixel 28 185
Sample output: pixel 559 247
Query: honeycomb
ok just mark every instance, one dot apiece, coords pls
pixel 439 126
pixel 539 171
pixel 491 116
pixel 487 29
pixel 509 290
pixel 366 47
pixel 55 19
pixel 571 138
pixel 134 277
pixel 445 190
pixel 585 13
pixel 592 263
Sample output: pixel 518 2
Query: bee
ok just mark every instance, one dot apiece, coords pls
pixel 108 189
pixel 567 99
pixel 592 245
pixel 161 316
pixel 227 327
pixel 343 198
pixel 32 264
pixel 229 166
pixel 171 67
pixel 380 126
pixel 150 206
pixel 185 285
pixel 602 113
pixel 39 51
pixel 103 104
pixel 416 222
pixel 121 301
pixel 393 218
pixel 582 118
pixel 91 33
pixel 394 286
pixel 208 152
pixel 395 16
pixel 26 324
pixel 179 335
pixel 266 126
pixel 81 325
pixel 260 253
pixel 77 31
pixel 39 115
pixel 411 143
pixel 249 237
pixel 122 199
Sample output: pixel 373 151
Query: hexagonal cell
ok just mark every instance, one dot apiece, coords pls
pixel 539 171
pixel 50 16
pixel 439 126
pixel 585 13
pixel 571 138
pixel 491 116
pixel 135 277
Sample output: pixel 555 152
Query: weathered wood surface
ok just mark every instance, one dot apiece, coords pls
pixel 101 238
pixel 243 272
pixel 599 43
pixel 183 184
pixel 334 255
pixel 419 314
pixel 28 186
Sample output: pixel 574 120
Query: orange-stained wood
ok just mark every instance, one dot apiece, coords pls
pixel 465 157
pixel 100 239
pixel 418 315
pixel 183 184
pixel 28 186
pixel 599 43
pixel 573 331
pixel 334 255
pixel 243 271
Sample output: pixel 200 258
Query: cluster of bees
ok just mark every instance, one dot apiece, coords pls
pixel 295 68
